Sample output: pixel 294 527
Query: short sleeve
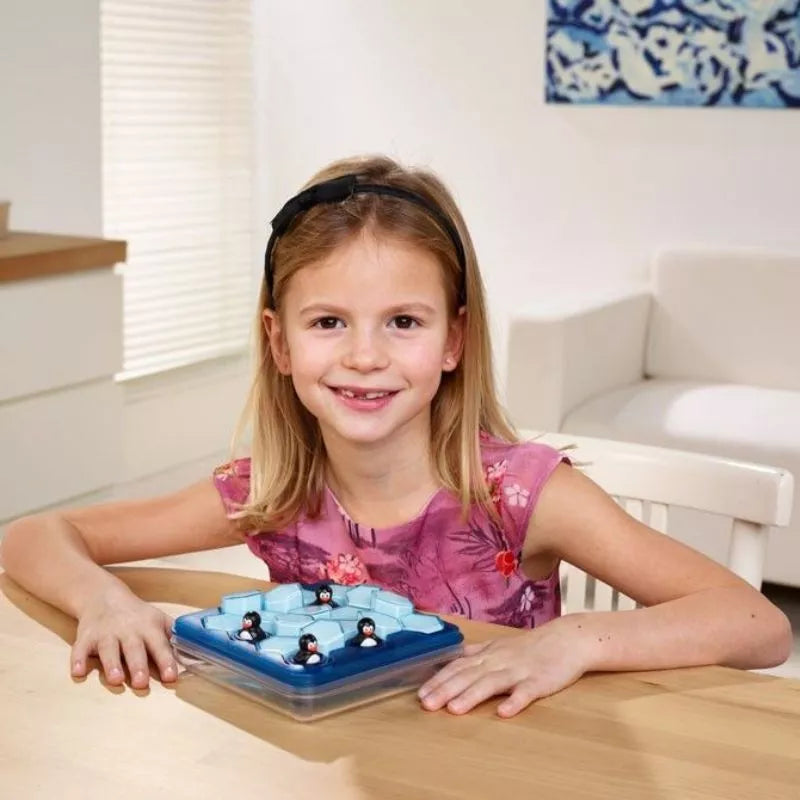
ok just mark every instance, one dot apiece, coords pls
pixel 516 480
pixel 232 481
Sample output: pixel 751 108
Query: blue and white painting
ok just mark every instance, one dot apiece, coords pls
pixel 674 52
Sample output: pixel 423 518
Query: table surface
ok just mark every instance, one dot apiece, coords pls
pixel 696 733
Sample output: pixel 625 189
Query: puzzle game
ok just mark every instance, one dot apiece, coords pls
pixel 311 650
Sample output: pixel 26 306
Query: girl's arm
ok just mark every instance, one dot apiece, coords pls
pixel 696 611
pixel 57 557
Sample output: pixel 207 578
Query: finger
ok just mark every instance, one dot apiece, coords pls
pixel 161 653
pixel 482 689
pixel 136 658
pixel 479 647
pixel 523 695
pixel 79 657
pixel 453 686
pixel 445 674
pixel 108 651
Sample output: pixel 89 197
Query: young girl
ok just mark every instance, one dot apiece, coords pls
pixel 379 453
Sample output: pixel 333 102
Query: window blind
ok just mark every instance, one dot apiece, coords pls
pixel 177 120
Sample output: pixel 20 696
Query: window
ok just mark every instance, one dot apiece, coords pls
pixel 177 119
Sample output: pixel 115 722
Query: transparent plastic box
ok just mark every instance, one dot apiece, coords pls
pixel 403 646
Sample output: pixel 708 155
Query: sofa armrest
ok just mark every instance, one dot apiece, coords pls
pixel 556 361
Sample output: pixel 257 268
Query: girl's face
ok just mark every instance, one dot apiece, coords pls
pixel 365 335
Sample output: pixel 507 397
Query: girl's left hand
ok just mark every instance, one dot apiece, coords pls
pixel 527 666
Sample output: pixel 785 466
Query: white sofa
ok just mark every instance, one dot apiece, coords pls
pixel 707 358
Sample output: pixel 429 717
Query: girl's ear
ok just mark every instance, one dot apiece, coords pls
pixel 454 346
pixel 277 342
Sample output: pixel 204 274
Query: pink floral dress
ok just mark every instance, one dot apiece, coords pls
pixel 439 561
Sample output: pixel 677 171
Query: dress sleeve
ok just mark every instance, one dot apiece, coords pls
pixel 232 481
pixel 528 467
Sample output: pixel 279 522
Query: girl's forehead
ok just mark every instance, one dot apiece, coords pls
pixel 369 264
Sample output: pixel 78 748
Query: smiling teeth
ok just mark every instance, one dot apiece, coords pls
pixel 364 395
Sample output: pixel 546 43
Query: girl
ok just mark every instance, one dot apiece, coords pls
pixel 379 452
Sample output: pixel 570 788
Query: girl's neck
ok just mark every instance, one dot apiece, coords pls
pixel 382 485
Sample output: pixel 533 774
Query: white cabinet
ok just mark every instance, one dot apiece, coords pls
pixel 60 346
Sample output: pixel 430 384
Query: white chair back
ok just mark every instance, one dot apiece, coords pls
pixel 648 481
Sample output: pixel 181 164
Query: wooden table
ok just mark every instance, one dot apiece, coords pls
pixel 683 734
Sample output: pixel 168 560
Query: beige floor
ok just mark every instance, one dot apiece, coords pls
pixel 239 561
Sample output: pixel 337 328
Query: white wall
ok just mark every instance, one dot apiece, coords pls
pixel 50 164
pixel 552 194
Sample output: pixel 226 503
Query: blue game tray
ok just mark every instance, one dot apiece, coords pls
pixel 311 650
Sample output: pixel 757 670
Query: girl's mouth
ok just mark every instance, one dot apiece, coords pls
pixel 364 399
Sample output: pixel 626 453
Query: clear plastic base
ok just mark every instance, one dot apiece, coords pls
pixel 308 704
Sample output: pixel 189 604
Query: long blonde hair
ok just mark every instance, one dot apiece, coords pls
pixel 287 451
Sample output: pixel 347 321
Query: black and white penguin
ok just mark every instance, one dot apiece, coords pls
pixel 325 597
pixel 366 634
pixel 251 630
pixel 307 654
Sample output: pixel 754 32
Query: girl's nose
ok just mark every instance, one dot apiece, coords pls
pixel 365 353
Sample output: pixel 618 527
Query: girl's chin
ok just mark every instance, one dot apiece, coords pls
pixel 367 434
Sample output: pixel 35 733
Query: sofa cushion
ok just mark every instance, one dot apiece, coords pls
pixel 744 422
pixel 727 317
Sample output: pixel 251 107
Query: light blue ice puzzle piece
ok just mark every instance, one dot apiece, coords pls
pixel 222 622
pixel 361 596
pixel 393 605
pixel 317 612
pixel 422 623
pixel 278 647
pixel 348 618
pixel 339 594
pixel 284 599
pixel 329 635
pixel 308 597
pixel 268 621
pixel 242 602
pixel 292 624
pixel 384 624
pixel 349 626
pixel 347 613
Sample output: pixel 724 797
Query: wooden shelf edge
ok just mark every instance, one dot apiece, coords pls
pixel 27 255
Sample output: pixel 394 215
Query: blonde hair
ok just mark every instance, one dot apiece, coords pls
pixel 287 475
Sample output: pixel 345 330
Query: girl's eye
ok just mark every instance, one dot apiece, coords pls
pixel 404 322
pixel 327 323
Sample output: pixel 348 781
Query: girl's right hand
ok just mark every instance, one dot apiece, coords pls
pixel 117 626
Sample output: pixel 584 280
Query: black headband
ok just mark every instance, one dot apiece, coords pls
pixel 339 189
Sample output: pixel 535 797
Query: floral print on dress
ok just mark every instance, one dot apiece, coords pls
pixel 344 568
pixel 496 471
pixel 223 471
pixel 516 495
pixel 232 480
pixel 505 562
pixel 289 557
pixel 488 546
pixel 493 476
pixel 521 607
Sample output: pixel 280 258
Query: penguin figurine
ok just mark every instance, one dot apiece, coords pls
pixel 366 634
pixel 325 597
pixel 307 654
pixel 251 630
